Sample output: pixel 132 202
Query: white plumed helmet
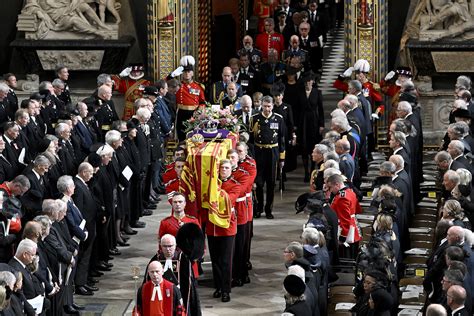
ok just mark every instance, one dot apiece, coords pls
pixel 362 65
pixel 187 60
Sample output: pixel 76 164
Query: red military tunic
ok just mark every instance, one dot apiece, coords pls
pixel 188 98
pixel 265 41
pixel 250 166
pixel 346 206
pixel 171 224
pixel 264 9
pixel 131 89
pixel 170 180
pixel 241 205
pixel 233 190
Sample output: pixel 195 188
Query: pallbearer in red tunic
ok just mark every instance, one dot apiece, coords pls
pixel 240 273
pixel 248 164
pixel 130 82
pixel 221 239
pixel 171 224
pixel 158 297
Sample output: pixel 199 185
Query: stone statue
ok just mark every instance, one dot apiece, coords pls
pixel 111 6
pixel 67 19
pixel 448 16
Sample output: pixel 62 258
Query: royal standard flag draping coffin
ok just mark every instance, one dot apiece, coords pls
pixel 201 179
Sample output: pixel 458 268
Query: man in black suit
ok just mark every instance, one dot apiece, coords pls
pixel 402 182
pixel 318 19
pixel 66 150
pixel 60 252
pixel 10 80
pixel 11 133
pixel 245 112
pixel 444 161
pixel 456 150
pixel 456 297
pixel 86 203
pixel 32 130
pixel 24 256
pixel 39 187
pixel 249 73
pixel 398 144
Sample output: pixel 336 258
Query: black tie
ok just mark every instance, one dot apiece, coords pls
pixel 312 17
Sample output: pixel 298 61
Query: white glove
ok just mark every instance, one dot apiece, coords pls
pixel 178 71
pixel 348 72
pixel 375 116
pixel 390 75
pixel 126 72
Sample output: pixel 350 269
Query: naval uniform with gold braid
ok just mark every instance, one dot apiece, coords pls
pixel 188 98
pixel 268 135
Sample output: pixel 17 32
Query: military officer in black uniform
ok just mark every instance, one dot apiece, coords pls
pixel 268 131
pixel 106 112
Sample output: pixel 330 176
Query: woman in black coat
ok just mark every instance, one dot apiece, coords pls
pixel 310 126
pixel 376 300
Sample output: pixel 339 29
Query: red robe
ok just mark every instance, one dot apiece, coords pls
pixel 165 307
